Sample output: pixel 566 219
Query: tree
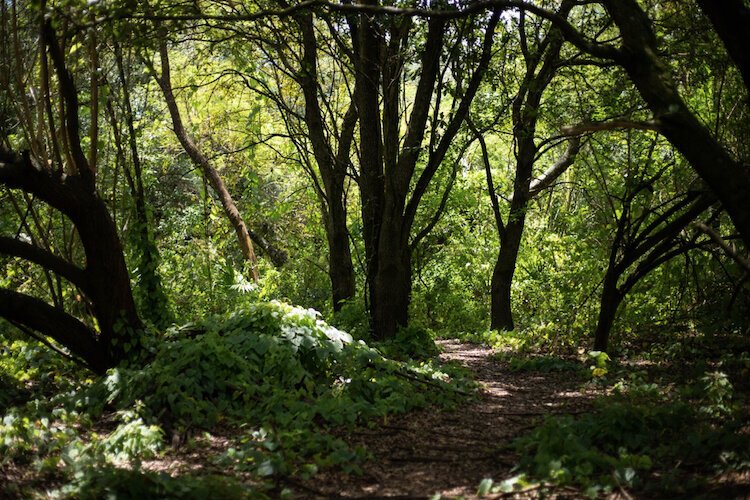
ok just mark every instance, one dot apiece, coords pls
pixel 150 291
pixel 730 19
pixel 388 161
pixel 727 176
pixel 541 64
pixel 326 126
pixel 65 180
pixel 649 220
pixel 201 160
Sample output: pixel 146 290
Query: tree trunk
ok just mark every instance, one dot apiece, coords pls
pixel 104 281
pixel 152 298
pixel 525 113
pixel 108 278
pixel 501 314
pixel 340 268
pixel 371 181
pixel 610 301
pixel 331 167
pixel 730 19
pixel 392 282
pixel 389 191
pixel 727 178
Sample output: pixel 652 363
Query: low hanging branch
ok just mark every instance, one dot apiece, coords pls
pixel 728 248
pixel 201 160
pixel 589 127
pixel 556 169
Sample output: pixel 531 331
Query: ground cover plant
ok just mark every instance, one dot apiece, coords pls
pixel 278 374
pixel 655 431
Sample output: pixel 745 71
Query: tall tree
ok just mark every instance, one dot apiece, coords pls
pixel 293 49
pixel 542 61
pixel 391 191
pixel 150 291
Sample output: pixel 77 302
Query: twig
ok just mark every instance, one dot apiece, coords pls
pixel 414 378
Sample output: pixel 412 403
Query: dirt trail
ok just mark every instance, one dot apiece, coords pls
pixel 424 453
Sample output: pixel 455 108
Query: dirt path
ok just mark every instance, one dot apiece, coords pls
pixel 424 453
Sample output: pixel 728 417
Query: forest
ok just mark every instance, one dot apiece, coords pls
pixel 381 248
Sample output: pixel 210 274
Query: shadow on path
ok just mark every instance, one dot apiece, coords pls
pixel 450 452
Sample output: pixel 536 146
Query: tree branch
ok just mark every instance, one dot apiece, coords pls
pixel 455 123
pixel 32 253
pixel 70 96
pixel 571 34
pixel 724 245
pixel 588 127
pixel 556 169
pixel 37 315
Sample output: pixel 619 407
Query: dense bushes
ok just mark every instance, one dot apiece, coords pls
pixel 277 373
pixel 659 432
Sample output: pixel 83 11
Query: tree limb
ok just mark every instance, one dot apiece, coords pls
pixel 38 315
pixel 588 127
pixel 556 169
pixel 44 258
pixel 724 245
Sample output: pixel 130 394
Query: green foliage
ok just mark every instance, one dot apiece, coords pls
pixel 412 342
pixel 631 433
pixel 544 364
pixel 132 440
pixel 718 395
pixel 118 483
pixel 149 291
pixel 498 340
pixel 599 361
pixel 277 366
pixel 353 318
pixel 278 372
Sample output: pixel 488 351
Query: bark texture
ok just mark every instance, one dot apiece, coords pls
pixel 390 190
pixel 104 280
pixel 332 167
pixel 541 66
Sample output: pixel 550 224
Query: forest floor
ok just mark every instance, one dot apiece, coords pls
pixel 434 452
pixel 427 453
pixel 421 454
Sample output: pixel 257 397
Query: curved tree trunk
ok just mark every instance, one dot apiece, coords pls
pixel 200 159
pixel 728 178
pixel 105 281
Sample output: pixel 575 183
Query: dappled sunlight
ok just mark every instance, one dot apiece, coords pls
pixel 451 451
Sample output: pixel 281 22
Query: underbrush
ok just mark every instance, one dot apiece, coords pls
pixel 541 338
pixel 671 421
pixel 278 374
